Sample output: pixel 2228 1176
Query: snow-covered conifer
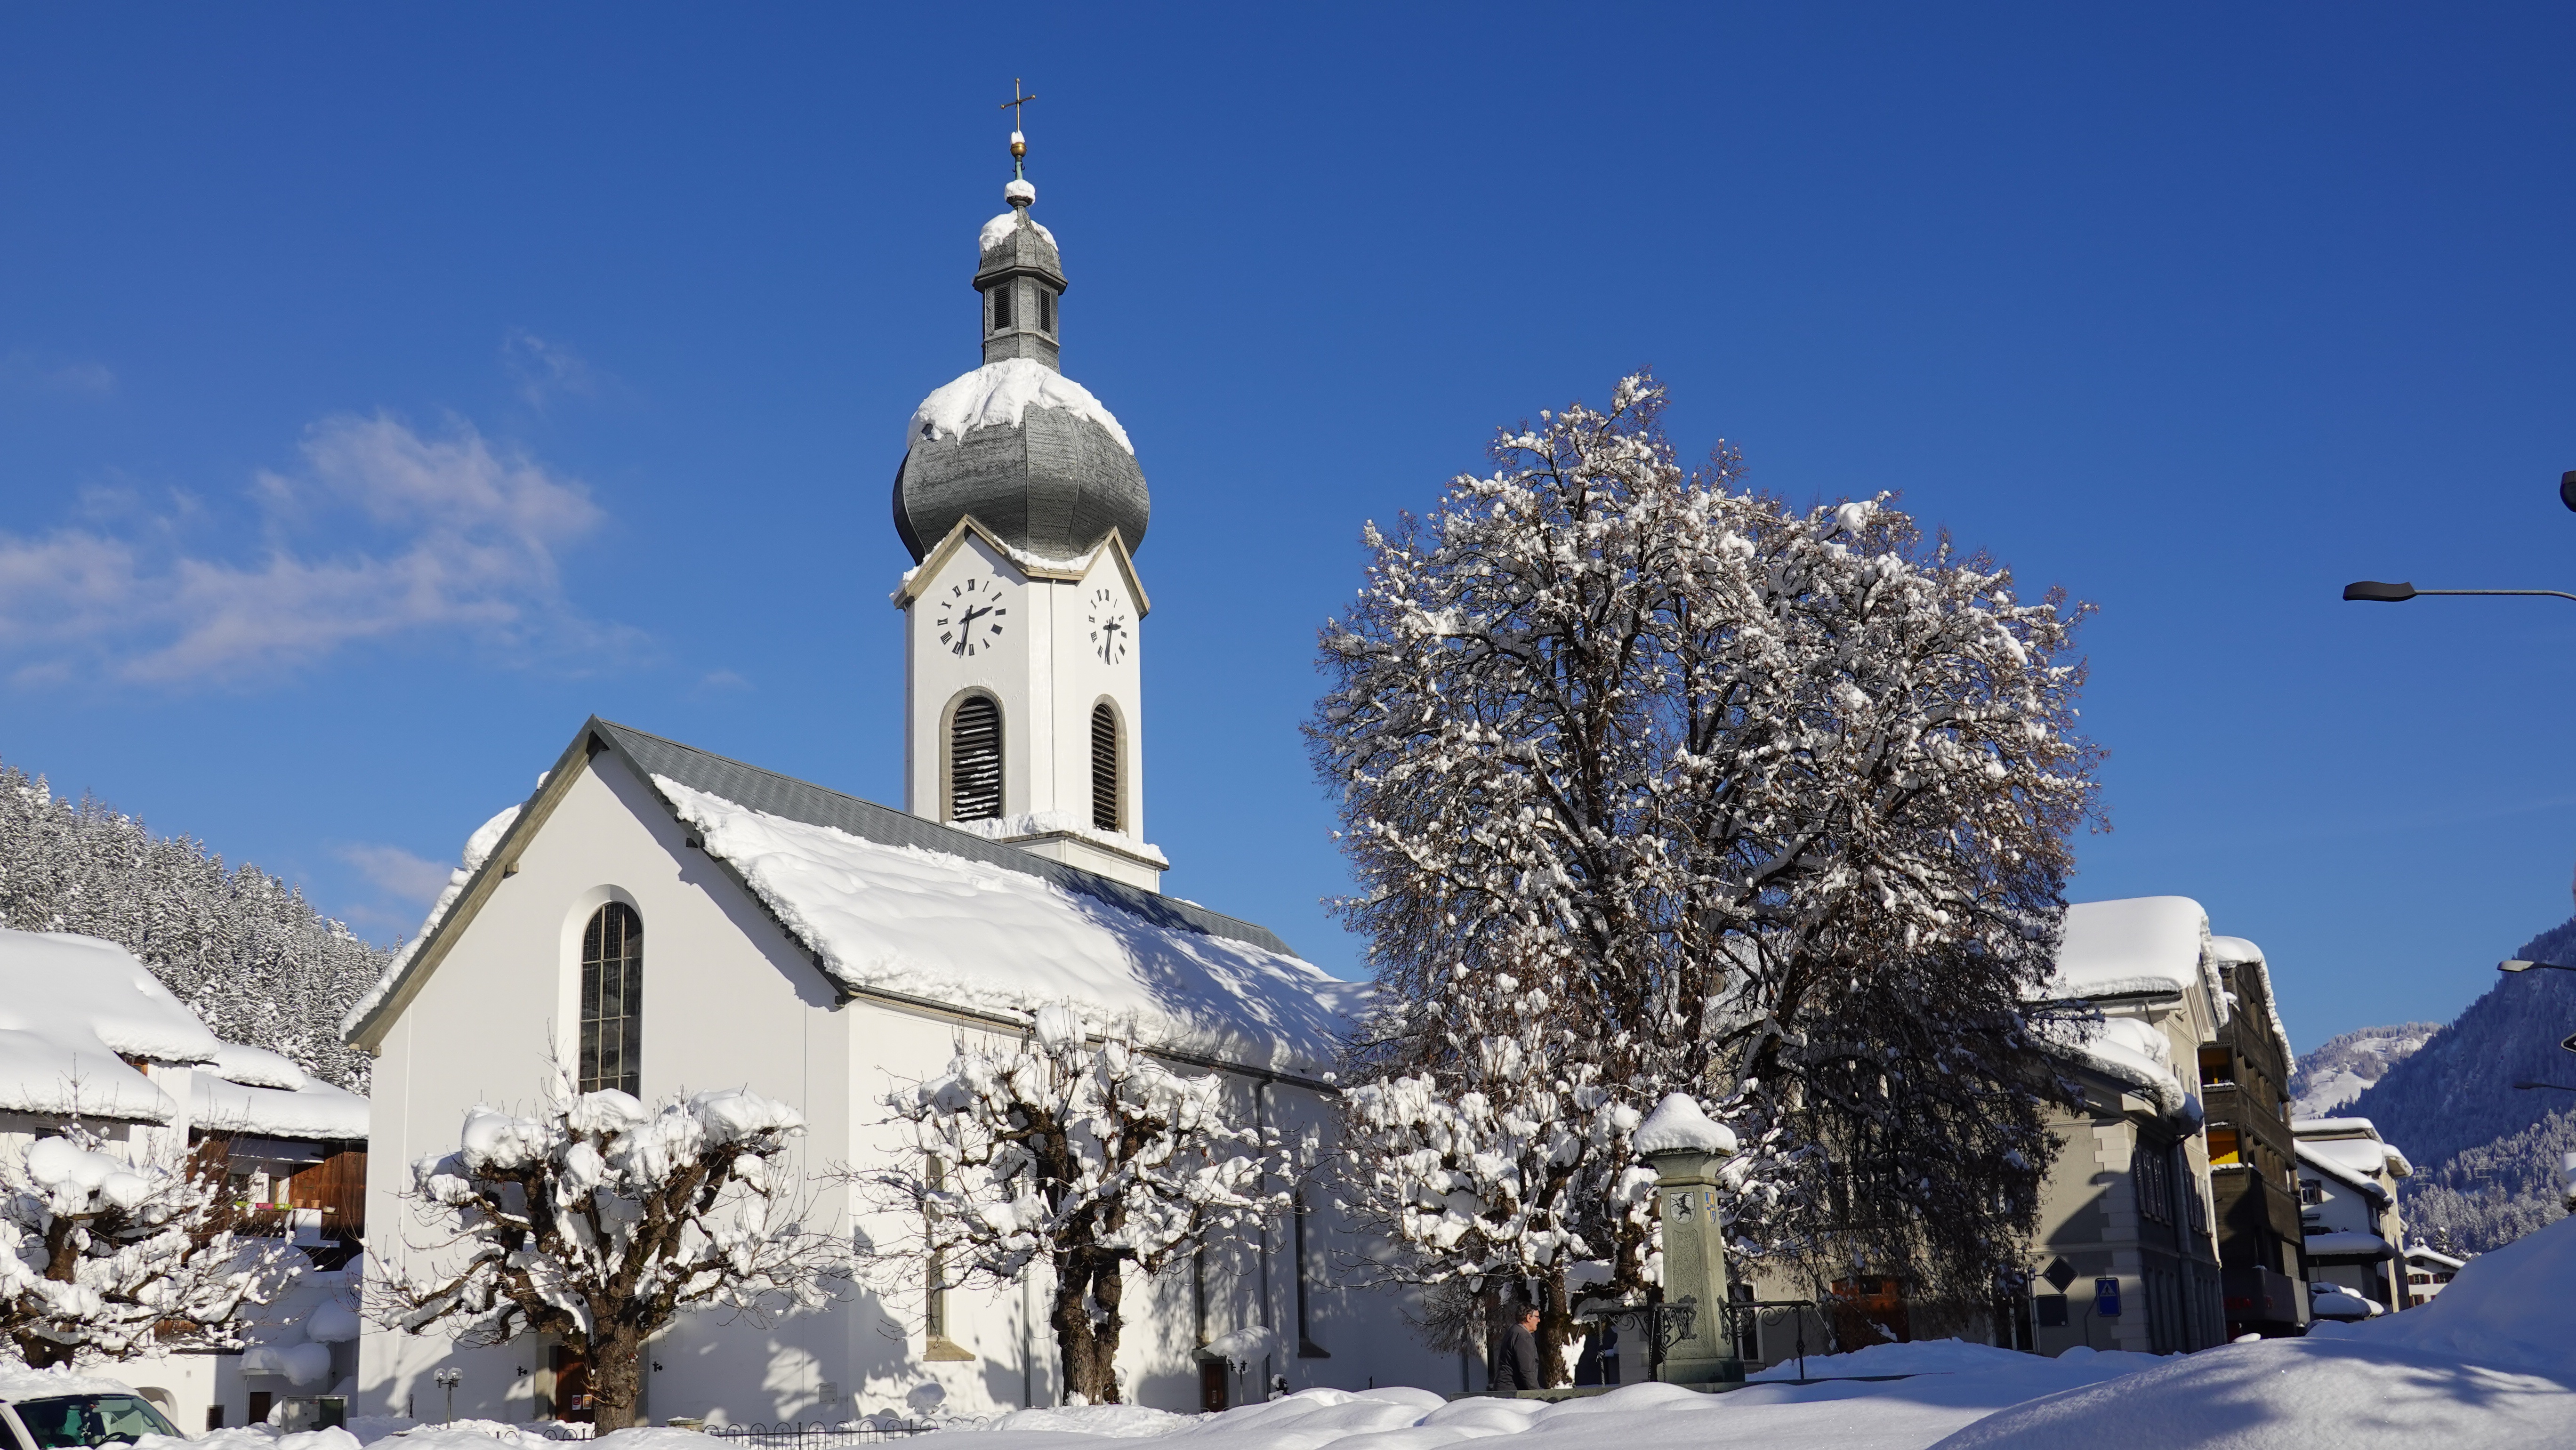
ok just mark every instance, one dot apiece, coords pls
pixel 598 1220
pixel 1089 1157
pixel 242 948
pixel 109 1256
pixel 1678 787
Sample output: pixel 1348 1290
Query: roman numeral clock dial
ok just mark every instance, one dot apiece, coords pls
pixel 1110 631
pixel 970 618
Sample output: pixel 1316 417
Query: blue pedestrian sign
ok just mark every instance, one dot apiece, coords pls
pixel 2106 1298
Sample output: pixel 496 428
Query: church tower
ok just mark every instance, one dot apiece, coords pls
pixel 1022 505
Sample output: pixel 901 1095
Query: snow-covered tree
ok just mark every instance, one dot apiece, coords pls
pixel 109 1257
pixel 242 948
pixel 598 1221
pixel 1091 1158
pixel 1672 786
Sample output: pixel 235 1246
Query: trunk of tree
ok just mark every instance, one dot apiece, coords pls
pixel 1555 1326
pixel 1087 1342
pixel 616 1355
pixel 44 1353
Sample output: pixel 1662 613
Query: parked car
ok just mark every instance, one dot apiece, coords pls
pixel 55 1411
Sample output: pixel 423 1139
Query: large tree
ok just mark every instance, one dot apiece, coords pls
pixel 1665 784
pixel 1088 1157
pixel 598 1221
pixel 112 1254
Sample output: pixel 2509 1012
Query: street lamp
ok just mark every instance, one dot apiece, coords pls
pixel 2379 591
pixel 2527 1086
pixel 448 1380
pixel 2518 965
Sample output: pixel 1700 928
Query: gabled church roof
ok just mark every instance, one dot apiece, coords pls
pixel 901 908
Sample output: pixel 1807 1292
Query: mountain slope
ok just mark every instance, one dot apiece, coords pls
pixel 2455 1094
pixel 2327 1080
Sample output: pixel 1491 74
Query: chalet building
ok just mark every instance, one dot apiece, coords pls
pixel 88 1034
pixel 2348 1210
pixel 2126 1256
pixel 2253 1155
pixel 2427 1270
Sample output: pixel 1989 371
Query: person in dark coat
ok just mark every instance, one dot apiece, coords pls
pixel 1515 1365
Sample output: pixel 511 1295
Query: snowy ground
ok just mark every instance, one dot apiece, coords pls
pixel 2490 1365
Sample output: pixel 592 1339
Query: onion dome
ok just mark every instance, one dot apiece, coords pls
pixel 1024 449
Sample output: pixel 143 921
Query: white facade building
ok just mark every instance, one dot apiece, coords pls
pixel 2348 1209
pixel 660 919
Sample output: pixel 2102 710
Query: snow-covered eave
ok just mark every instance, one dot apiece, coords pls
pixel 1032 566
pixel 374 1015
pixel 2359 1182
pixel 2436 1256
pixel 2162 1089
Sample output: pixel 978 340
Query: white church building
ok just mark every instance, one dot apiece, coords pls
pixel 657 918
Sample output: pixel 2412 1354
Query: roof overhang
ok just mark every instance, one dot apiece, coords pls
pixel 1033 566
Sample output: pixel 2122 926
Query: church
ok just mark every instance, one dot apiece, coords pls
pixel 656 918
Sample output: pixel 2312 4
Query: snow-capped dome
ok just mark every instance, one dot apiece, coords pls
pixel 1025 450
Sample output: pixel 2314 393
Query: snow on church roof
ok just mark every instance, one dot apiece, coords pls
pixel 1188 979
pixel 999 394
pixel 926 924
pixel 72 1009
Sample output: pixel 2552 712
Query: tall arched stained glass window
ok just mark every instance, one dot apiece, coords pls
pixel 1105 814
pixel 975 760
pixel 612 1000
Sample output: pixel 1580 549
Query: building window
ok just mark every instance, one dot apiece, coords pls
pixel 2217 1065
pixel 2222 1146
pixel 975 760
pixel 612 1001
pixel 1046 310
pixel 2151 1170
pixel 1002 307
pixel 2311 1192
pixel 1104 767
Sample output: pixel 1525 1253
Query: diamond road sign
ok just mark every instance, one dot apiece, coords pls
pixel 2059 1275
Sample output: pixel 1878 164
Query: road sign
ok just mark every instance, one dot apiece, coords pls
pixel 2106 1298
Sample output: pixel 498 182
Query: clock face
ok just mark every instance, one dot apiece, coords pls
pixel 1110 631
pixel 970 618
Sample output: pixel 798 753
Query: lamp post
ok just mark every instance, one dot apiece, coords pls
pixel 2378 591
pixel 448 1380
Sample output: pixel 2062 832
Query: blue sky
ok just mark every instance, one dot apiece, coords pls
pixel 384 390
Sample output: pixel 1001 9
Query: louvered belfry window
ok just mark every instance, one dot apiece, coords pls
pixel 1104 767
pixel 1002 307
pixel 612 1001
pixel 975 760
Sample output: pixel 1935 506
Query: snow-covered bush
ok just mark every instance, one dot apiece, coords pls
pixel 1092 1157
pixel 111 1257
pixel 598 1220
pixel 1652 783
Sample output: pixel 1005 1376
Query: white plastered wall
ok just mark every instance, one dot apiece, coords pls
pixel 1044 671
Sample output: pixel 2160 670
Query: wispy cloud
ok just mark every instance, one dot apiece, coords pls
pixel 544 370
pixel 380 534
pixel 398 873
pixel 25 370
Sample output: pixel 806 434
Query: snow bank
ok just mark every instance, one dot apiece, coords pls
pixel 997 394
pixel 69 1006
pixel 2493 1368
pixel 1678 1126
pixel 927 924
pixel 1949 1356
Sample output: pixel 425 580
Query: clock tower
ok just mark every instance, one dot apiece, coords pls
pixel 1022 504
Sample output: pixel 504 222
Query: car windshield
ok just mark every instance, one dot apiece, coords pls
pixel 71 1420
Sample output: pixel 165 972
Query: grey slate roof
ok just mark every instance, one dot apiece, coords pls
pixel 797 800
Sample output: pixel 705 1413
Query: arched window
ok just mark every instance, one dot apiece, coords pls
pixel 1104 767
pixel 612 1000
pixel 975 760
